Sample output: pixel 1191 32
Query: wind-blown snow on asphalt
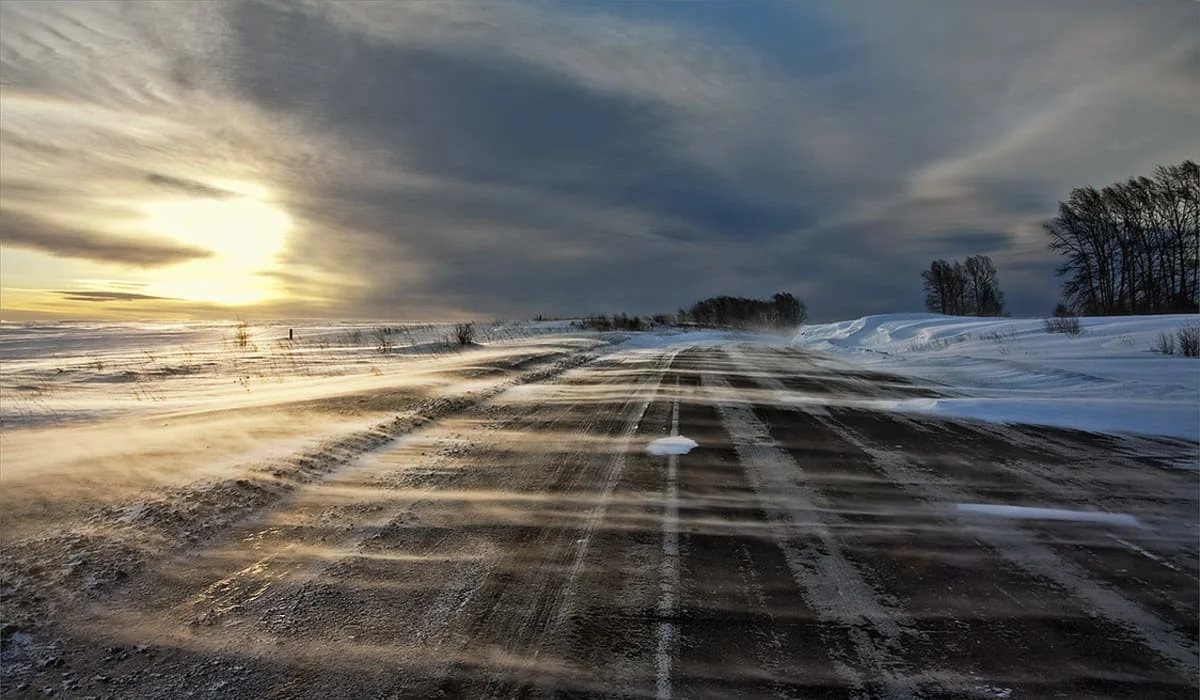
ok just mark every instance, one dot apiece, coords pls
pixel 1106 380
pixel 374 510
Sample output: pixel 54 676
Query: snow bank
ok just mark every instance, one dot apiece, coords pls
pixel 1011 370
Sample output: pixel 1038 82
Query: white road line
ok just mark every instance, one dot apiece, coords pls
pixel 668 631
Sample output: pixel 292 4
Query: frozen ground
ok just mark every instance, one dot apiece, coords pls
pixel 370 511
pixel 64 373
pixel 1011 370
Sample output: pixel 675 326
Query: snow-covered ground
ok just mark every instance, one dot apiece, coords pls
pixel 93 411
pixel 1108 379
pixel 75 372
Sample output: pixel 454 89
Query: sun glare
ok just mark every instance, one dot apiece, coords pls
pixel 244 233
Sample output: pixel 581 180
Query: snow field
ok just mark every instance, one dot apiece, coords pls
pixel 1106 380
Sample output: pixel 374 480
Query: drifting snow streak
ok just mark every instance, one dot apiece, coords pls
pixel 832 585
pixel 1023 512
pixel 616 468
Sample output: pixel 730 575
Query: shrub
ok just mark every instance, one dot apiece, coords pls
pixel 1164 343
pixel 383 339
pixel 241 335
pixel 1067 325
pixel 464 333
pixel 1188 339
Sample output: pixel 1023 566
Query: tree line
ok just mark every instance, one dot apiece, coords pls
pixel 969 288
pixel 1132 247
pixel 782 310
pixel 616 322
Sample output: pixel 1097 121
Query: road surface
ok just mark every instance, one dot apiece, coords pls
pixel 812 545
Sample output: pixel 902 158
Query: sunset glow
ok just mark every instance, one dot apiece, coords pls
pixel 244 234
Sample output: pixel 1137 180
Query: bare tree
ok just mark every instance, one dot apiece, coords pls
pixel 464 333
pixel 983 287
pixel 958 289
pixel 1132 247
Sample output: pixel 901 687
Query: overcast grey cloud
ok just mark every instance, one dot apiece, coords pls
pixel 22 231
pixel 495 158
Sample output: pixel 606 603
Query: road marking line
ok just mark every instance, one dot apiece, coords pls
pixel 613 472
pixel 668 632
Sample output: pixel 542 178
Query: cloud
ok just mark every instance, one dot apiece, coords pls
pixel 511 158
pixel 102 297
pixel 23 231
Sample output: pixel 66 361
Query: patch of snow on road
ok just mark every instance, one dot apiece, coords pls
pixel 1027 513
pixel 1107 380
pixel 676 445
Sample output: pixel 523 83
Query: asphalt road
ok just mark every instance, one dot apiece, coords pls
pixel 812 545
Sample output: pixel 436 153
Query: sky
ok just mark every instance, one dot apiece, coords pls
pixel 455 159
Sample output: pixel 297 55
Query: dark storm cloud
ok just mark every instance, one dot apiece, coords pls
pixel 108 296
pixel 482 118
pixel 23 231
pixel 548 191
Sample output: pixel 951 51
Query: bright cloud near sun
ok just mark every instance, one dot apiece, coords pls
pixel 245 233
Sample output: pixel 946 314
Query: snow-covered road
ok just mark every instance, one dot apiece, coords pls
pixel 501 529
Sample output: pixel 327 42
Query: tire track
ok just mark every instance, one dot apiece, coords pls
pixel 552 606
pixel 933 492
pixel 1024 551
pixel 481 606
pixel 832 585
pixel 290 575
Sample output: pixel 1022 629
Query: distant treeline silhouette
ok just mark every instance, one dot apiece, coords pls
pixel 616 322
pixel 1132 247
pixel 782 310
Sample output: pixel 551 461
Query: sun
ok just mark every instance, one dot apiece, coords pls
pixel 245 233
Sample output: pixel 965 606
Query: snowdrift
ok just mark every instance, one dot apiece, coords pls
pixel 1107 379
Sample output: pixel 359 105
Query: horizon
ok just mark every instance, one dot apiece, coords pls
pixel 454 161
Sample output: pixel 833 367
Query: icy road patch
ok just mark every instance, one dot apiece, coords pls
pixel 677 445
pixel 1023 512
